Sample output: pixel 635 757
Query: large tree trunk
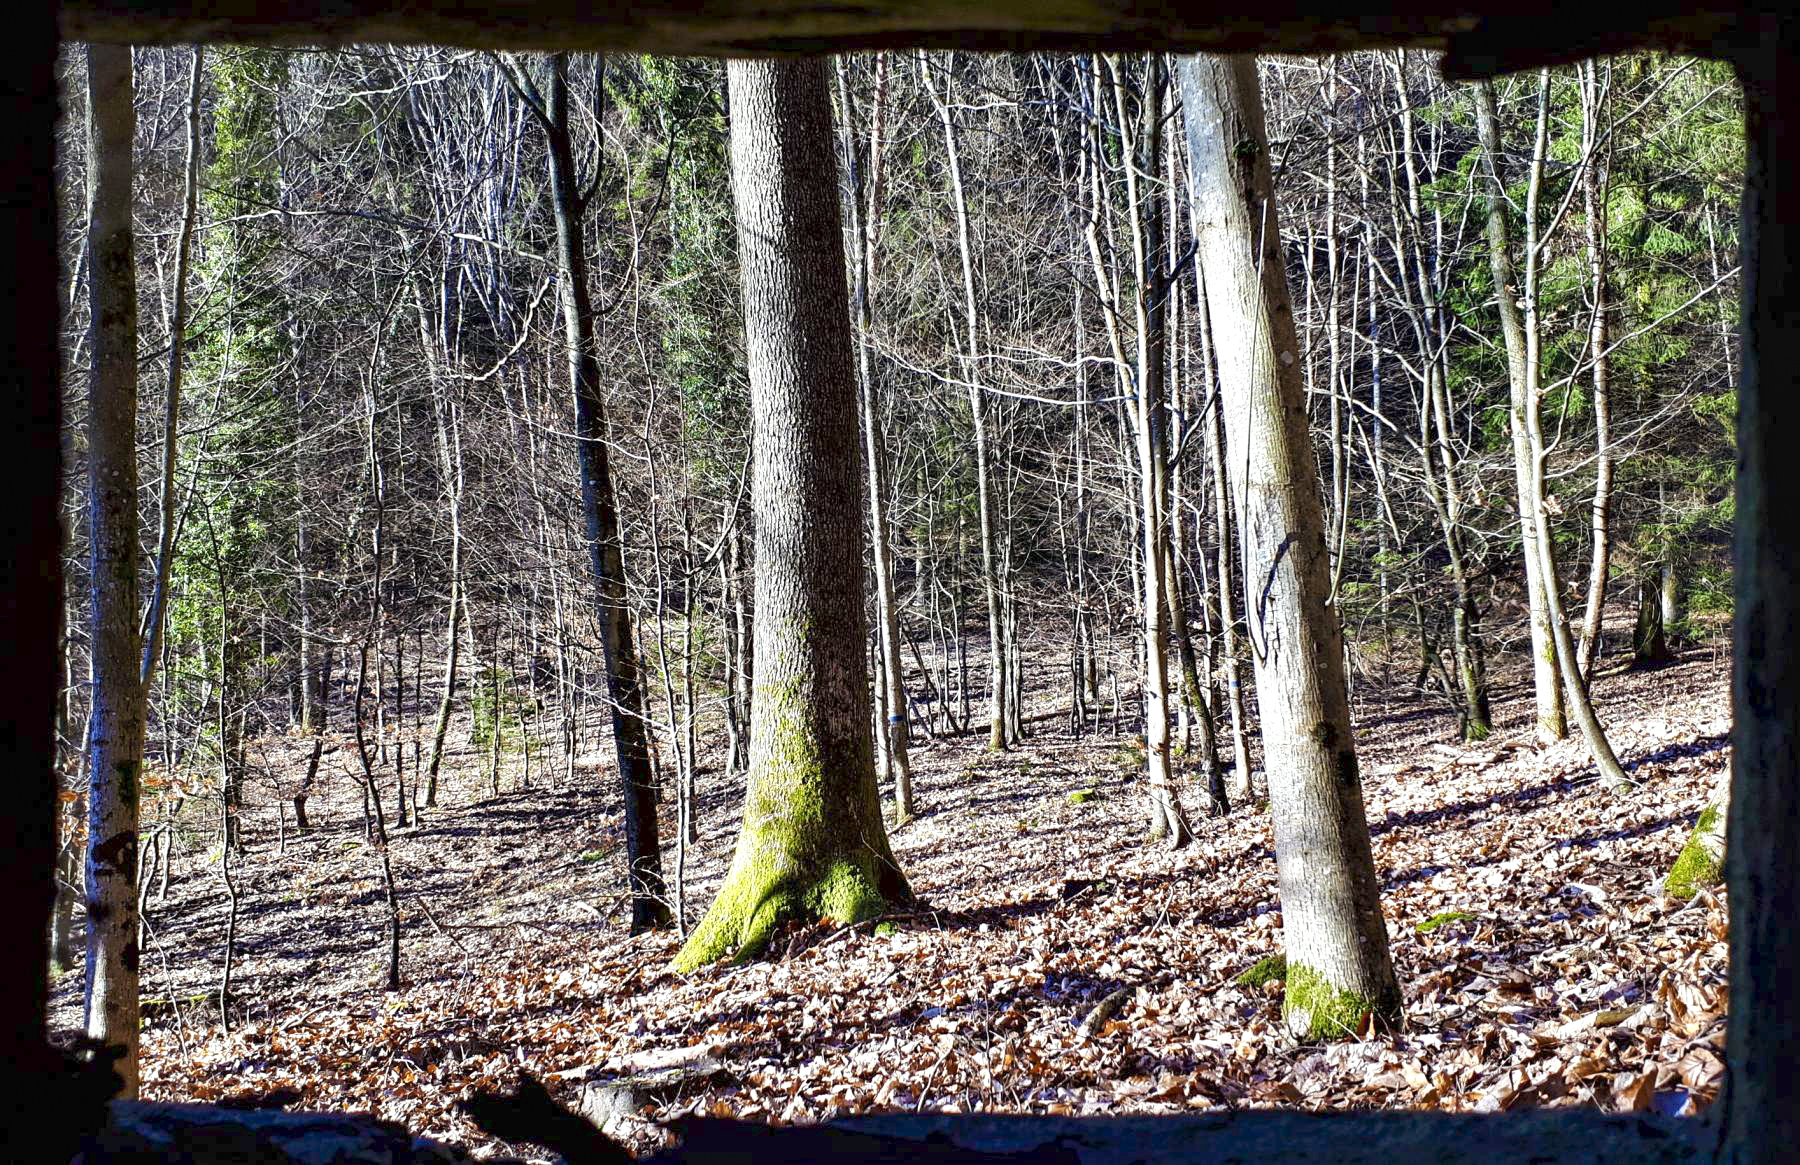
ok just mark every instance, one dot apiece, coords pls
pixel 1336 940
pixel 600 519
pixel 812 844
pixel 1552 721
pixel 116 727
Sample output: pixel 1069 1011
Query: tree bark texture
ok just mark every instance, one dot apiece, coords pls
pixel 1336 939
pixel 812 844
pixel 115 751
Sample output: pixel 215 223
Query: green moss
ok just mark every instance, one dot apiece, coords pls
pixel 1443 918
pixel 1270 970
pixel 845 894
pixel 1318 1009
pixel 1477 730
pixel 1129 757
pixel 813 846
pixel 1696 867
pixel 1083 796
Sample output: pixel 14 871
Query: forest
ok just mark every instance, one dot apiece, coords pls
pixel 910 581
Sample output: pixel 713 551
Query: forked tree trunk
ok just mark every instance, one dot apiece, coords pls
pixel 1568 664
pixel 812 844
pixel 115 751
pixel 1339 971
pixel 1552 721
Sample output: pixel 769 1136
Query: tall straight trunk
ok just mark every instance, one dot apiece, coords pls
pixel 891 672
pixel 738 636
pixel 600 517
pixel 1142 150
pixel 998 681
pixel 1225 523
pixel 1552 718
pixel 115 749
pixel 451 463
pixel 1196 678
pixel 812 844
pixel 184 239
pixel 1612 773
pixel 1437 448
pixel 1339 971
pixel 1595 100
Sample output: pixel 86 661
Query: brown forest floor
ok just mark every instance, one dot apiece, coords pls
pixel 1571 982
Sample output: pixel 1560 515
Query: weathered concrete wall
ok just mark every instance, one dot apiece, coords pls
pixel 160 1134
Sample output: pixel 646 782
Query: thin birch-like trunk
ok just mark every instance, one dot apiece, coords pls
pixel 115 749
pixel 1552 718
pixel 998 681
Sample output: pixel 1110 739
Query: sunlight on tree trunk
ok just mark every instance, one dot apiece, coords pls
pixel 813 845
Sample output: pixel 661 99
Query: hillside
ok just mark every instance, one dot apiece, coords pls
pixel 1053 964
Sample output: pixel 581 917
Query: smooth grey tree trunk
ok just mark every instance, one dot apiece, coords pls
pixel 1596 97
pixel 999 681
pixel 1339 972
pixel 1552 720
pixel 1142 150
pixel 115 750
pixel 450 463
pixel 896 738
pixel 813 844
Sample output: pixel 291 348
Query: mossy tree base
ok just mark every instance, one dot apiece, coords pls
pixel 758 897
pixel 1317 1009
pixel 1701 862
pixel 813 844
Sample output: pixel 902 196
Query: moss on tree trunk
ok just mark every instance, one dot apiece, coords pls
pixel 813 844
